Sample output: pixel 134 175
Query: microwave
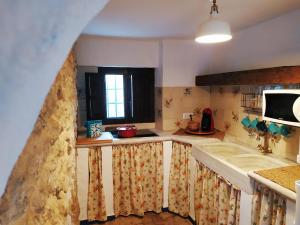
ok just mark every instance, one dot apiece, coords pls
pixel 282 106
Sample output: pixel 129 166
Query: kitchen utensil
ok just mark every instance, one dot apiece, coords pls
pixel 246 122
pixel 261 126
pixel 126 131
pixel 284 130
pixel 254 123
pixel 274 128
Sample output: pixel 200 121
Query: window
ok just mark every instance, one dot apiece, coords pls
pixel 114 90
pixel 120 95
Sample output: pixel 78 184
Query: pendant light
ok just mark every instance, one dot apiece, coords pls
pixel 214 30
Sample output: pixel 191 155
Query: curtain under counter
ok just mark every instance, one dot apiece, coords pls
pixel 268 207
pixel 96 209
pixel 179 181
pixel 217 202
pixel 138 178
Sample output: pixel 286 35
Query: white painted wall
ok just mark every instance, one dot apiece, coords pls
pixel 272 43
pixel 36 37
pixel 182 60
pixel 167 155
pixel 269 44
pixel 193 170
pixel 245 208
pixel 177 61
pixel 83 181
pixel 107 173
pixel 100 51
pixel 290 212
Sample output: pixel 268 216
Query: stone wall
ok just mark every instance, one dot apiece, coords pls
pixel 42 187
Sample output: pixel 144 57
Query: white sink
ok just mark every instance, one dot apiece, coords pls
pixel 224 150
pixel 233 161
pixel 250 162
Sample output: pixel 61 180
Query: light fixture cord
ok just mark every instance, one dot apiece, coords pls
pixel 214 7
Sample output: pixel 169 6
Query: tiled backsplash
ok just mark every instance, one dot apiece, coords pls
pixel 172 102
pixel 225 101
pixel 228 113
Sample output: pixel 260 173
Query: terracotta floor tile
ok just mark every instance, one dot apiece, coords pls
pixel 181 221
pixel 150 218
pixel 165 215
pixel 147 220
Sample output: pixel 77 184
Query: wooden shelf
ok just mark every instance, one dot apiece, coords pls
pixel 285 75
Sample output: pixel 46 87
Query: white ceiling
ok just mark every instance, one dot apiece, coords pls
pixel 180 18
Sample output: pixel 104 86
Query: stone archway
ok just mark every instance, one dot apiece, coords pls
pixel 36 37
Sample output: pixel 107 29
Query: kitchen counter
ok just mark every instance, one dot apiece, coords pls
pixel 285 176
pixel 105 138
pixel 281 180
pixel 229 171
pixel 162 136
pixel 107 165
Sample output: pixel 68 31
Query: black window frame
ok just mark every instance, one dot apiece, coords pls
pixel 132 78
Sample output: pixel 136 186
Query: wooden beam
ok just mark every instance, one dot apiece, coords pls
pixel 276 75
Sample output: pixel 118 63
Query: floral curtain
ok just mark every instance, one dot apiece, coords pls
pixel 138 178
pixel 96 202
pixel 216 200
pixel 179 190
pixel 268 208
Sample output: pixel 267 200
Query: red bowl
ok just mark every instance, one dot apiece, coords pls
pixel 126 131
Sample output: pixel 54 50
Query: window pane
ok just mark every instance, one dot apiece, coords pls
pixel 120 96
pixel 120 110
pixel 111 111
pixel 119 82
pixel 110 81
pixel 114 95
pixel 110 96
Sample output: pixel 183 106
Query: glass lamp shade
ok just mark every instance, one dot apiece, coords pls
pixel 213 31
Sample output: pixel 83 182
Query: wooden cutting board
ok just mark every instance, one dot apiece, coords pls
pixel 218 134
pixel 200 132
pixel 105 138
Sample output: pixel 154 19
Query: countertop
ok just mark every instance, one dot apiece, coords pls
pixel 162 136
pixel 105 138
pixel 194 140
pixel 284 176
pixel 281 180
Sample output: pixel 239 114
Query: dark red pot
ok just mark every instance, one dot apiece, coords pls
pixel 126 131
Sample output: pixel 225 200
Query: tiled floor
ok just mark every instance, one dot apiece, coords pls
pixel 150 218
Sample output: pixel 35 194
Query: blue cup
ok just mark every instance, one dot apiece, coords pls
pixel 274 128
pixel 284 131
pixel 254 123
pixel 246 122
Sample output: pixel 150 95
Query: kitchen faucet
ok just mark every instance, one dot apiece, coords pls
pixel 264 148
